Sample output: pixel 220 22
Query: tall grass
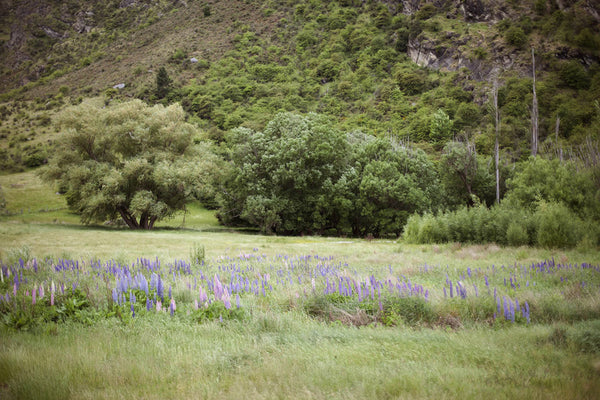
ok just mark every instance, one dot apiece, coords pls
pixel 289 357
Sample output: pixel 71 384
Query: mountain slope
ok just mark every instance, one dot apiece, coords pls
pixel 382 67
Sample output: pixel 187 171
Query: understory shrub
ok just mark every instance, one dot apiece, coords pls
pixel 552 225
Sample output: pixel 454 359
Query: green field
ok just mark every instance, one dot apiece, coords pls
pixel 293 341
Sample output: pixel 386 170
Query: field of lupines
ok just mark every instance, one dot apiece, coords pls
pixel 33 292
pixel 297 326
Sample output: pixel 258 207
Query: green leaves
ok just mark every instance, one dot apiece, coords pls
pixel 300 175
pixel 128 159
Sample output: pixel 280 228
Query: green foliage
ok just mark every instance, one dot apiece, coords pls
pixel 22 314
pixel 163 83
pixel 465 175
pixel 411 310
pixel 441 127
pixel 554 181
pixel 302 176
pixel 573 75
pixel 127 160
pixel 216 311
pixel 197 254
pixel 558 226
pixel 282 175
pixel 515 36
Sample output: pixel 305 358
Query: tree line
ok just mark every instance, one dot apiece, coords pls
pixel 302 175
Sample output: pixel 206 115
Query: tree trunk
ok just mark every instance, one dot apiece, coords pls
pixel 128 218
pixel 497 146
pixel 534 114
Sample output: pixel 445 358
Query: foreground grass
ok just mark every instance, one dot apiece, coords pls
pixel 278 350
pixel 289 356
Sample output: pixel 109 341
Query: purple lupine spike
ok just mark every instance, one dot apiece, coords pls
pixel 160 288
pixel 148 304
pixel 451 293
pixel 172 307
pixel 132 311
pixel 115 296
pixel 512 311
pixel 237 301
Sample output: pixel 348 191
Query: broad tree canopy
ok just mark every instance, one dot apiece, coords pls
pixel 129 160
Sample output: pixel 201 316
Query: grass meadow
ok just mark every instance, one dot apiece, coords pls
pixel 194 310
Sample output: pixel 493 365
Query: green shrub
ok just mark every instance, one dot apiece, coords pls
pixel 557 226
pixel 412 229
pixel 515 36
pixel 516 234
pixel 197 254
pixel 410 310
pixel 574 75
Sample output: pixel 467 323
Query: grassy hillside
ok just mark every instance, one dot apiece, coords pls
pixel 380 67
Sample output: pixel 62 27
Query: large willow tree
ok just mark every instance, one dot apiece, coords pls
pixel 127 160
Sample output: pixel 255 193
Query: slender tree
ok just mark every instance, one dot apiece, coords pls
pixel 534 113
pixel 163 83
pixel 497 146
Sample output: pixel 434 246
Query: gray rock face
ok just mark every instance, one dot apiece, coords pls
pixel 432 55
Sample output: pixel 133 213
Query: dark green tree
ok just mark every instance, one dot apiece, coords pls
pixel 280 177
pixel 163 83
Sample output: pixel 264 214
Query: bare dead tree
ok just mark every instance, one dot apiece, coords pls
pixel 497 146
pixel 534 113
pixel 558 147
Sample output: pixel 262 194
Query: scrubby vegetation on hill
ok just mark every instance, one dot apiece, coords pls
pixel 414 76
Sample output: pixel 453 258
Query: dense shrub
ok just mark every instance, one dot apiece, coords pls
pixel 552 225
pixel 515 36
pixel 557 226
pixel 300 175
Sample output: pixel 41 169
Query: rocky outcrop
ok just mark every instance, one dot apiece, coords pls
pixel 431 54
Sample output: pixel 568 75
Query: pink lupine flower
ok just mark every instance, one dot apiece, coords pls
pixel 158 305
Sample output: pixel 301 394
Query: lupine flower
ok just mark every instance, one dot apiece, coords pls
pixel 158 305
pixel 172 307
